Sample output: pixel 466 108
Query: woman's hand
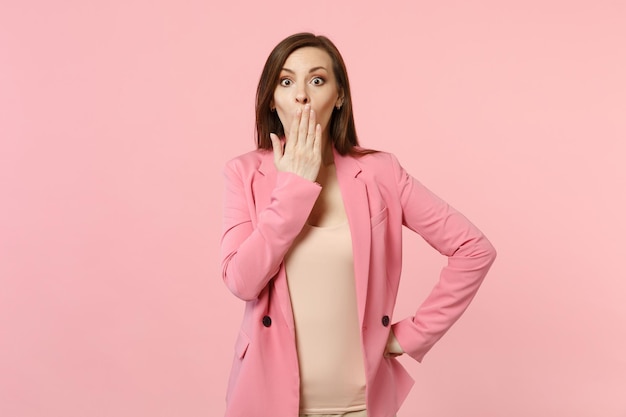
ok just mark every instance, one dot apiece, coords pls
pixel 302 154
pixel 393 348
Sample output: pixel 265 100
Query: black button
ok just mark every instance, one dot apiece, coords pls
pixel 385 321
pixel 267 321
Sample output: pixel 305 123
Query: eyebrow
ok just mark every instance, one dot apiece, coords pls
pixel 310 71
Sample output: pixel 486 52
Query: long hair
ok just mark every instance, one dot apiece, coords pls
pixel 342 129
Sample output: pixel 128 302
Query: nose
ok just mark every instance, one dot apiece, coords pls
pixel 302 97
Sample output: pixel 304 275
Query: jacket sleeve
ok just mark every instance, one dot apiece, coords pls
pixel 251 254
pixel 470 255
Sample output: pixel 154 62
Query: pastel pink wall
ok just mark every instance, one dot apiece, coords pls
pixel 115 121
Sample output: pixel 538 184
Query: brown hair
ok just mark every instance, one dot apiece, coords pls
pixel 342 129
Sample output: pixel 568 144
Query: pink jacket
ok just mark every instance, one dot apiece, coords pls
pixel 265 211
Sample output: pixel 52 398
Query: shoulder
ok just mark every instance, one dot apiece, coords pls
pixel 248 161
pixel 382 168
pixel 377 160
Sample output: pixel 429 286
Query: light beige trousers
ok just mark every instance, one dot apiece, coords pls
pixel 362 413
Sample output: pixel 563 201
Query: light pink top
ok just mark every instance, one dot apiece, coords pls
pixel 320 273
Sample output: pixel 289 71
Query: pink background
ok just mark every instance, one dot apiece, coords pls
pixel 116 118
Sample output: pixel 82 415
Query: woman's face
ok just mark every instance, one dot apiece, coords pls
pixel 307 78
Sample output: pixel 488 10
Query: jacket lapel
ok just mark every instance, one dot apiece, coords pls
pixel 355 201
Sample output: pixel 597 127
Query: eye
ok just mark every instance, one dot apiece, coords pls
pixel 318 81
pixel 285 82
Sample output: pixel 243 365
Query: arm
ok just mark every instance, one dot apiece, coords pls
pixel 470 255
pixel 251 255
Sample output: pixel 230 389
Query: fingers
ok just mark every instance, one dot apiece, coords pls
pixel 292 140
pixel 301 154
pixel 277 147
pixel 317 141
pixel 310 135
pixel 303 129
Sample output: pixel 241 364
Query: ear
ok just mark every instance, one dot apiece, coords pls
pixel 339 101
pixel 272 107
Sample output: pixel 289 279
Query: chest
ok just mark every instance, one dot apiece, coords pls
pixel 329 209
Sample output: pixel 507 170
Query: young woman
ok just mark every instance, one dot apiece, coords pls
pixel 312 244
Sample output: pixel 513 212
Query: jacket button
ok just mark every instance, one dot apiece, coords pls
pixel 385 321
pixel 267 321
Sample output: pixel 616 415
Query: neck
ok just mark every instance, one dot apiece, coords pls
pixel 328 157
